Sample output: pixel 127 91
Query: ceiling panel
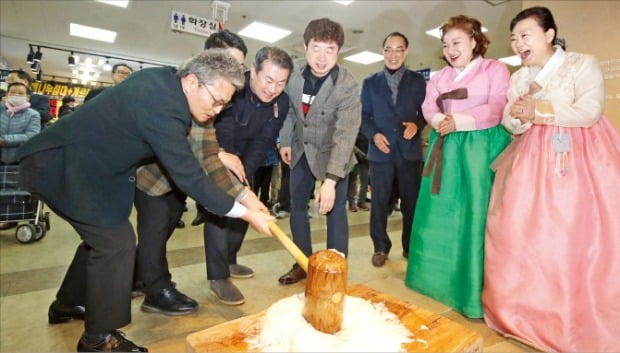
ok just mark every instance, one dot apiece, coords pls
pixel 144 28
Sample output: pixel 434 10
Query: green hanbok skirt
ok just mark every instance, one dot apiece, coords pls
pixel 446 254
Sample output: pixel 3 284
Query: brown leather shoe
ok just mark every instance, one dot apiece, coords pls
pixel 226 291
pixel 363 206
pixel 295 275
pixel 378 258
pixel 352 207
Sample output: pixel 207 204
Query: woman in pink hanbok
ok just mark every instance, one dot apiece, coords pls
pixel 464 104
pixel 552 249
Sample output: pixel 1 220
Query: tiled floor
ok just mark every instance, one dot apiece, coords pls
pixel 31 273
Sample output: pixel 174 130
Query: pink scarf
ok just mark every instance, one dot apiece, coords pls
pixel 11 110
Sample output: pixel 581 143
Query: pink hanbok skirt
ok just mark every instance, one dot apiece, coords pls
pixel 552 247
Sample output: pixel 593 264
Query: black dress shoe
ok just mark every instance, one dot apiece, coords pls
pixel 169 301
pixel 114 342
pixel 200 219
pixel 295 275
pixel 138 289
pixel 180 224
pixel 59 313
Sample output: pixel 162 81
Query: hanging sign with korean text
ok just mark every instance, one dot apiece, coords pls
pixel 181 21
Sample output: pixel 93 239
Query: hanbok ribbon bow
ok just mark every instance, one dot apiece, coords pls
pixel 436 158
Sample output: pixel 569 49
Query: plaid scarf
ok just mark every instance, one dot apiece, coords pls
pixel 393 80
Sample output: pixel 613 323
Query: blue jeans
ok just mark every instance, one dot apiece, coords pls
pixel 301 184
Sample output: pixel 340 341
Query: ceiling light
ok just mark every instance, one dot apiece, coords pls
pixel 264 32
pixel 95 33
pixel 107 66
pixel 75 72
pixel 514 60
pixel 71 60
pixel 38 55
pixel 345 3
pixel 100 62
pixel 30 57
pixel 365 57
pixel 436 32
pixel 88 61
pixel 119 3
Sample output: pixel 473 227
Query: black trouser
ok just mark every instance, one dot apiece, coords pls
pixel 200 209
pixel 284 197
pixel 157 218
pixel 406 174
pixel 261 182
pixel 223 237
pixel 100 274
pixel 360 172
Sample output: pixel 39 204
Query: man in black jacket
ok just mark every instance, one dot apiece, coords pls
pixel 245 132
pixel 84 168
pixel 159 208
pixel 119 73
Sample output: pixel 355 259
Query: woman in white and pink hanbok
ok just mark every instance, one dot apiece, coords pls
pixel 552 265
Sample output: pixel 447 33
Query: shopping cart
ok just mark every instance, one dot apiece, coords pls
pixel 18 205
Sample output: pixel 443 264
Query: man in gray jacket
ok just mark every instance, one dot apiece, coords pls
pixel 318 136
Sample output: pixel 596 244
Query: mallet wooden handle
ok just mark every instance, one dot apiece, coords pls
pixel 291 247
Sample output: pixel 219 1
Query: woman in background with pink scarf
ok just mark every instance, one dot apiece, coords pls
pixel 18 122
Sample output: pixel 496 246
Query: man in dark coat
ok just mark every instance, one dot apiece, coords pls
pixel 245 132
pixel 392 121
pixel 119 73
pixel 84 168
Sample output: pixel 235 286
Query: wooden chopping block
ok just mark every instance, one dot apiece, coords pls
pixel 433 332
pixel 326 284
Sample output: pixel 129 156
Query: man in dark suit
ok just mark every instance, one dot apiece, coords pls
pixel 38 102
pixel 159 206
pixel 119 73
pixel 84 168
pixel 246 131
pixel 392 121
pixel 317 138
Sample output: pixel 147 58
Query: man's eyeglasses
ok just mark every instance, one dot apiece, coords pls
pixel 121 72
pixel 216 102
pixel 394 50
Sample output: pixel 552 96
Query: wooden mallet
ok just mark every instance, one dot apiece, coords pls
pixel 326 285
